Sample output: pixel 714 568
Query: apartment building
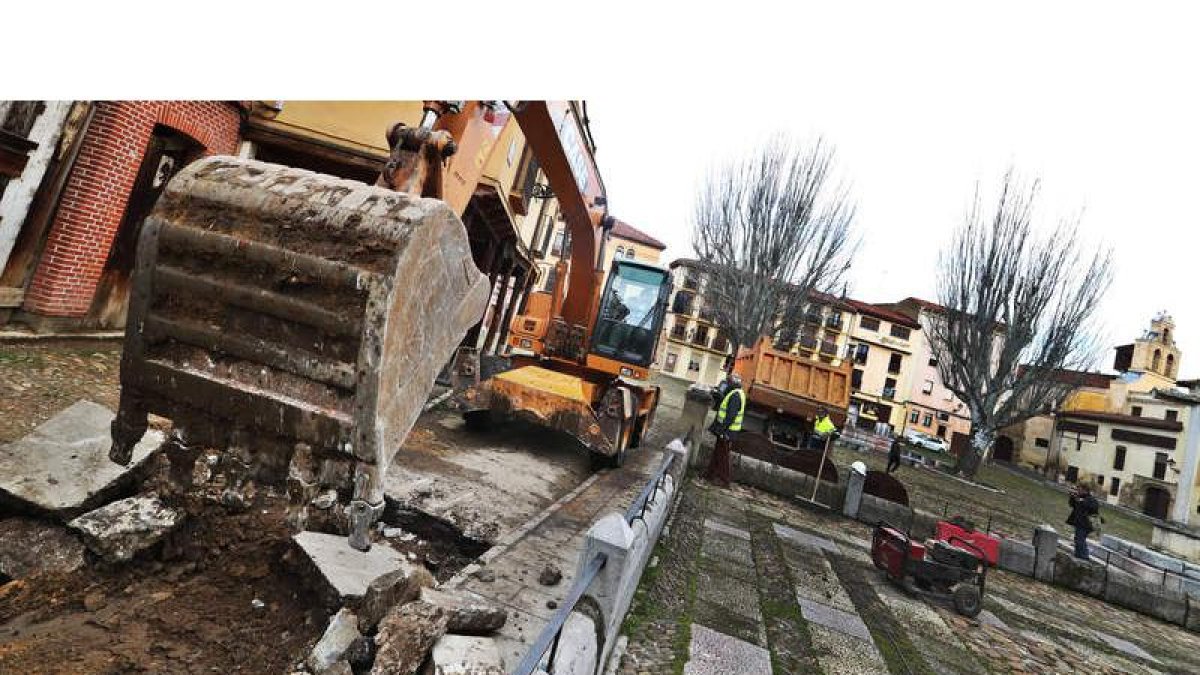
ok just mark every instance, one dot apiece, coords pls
pixel 881 345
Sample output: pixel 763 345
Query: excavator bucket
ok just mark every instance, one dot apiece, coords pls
pixel 295 318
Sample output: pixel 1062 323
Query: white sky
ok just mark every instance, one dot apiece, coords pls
pixel 921 98
pixel 1102 108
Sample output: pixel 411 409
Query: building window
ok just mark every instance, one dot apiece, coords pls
pixel 683 302
pixel 927 388
pixel 1136 411
pixel 1160 465
pixel 1041 442
pixel 557 248
pixel 901 332
pixel 1100 480
pixel 671 361
pixel 701 337
pixel 1172 415
pixel 933 361
pixel 1155 361
pixel 868 323
pixel 928 420
pixel 1072 474
pixel 1114 486
pixel 1170 370
pixel 894 363
pixel 856 379
pixel 889 388
pixel 693 365
pixel 629 253
pixel 860 353
pixel 620 252
pixel 914 416
pixel 943 416
pixel 1119 459
pixel 551 278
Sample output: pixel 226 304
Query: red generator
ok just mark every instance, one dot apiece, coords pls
pixel 953 567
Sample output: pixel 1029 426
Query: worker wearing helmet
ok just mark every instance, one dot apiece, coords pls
pixel 726 426
pixel 823 428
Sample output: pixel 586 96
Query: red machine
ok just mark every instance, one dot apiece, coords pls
pixel 986 543
pixel 953 566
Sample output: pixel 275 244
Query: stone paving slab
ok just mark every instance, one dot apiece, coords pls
pixel 739 597
pixel 841 654
pixel 348 571
pixel 62 468
pixel 718 526
pixel 735 553
pixel 714 653
pixel 842 621
pixel 805 539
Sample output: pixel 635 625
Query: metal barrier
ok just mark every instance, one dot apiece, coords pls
pixel 547 640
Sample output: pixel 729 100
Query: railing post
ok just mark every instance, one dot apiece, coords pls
pixel 612 536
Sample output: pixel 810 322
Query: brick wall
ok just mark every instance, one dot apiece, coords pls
pixel 94 199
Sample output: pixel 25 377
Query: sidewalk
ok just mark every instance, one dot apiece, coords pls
pixel 748 583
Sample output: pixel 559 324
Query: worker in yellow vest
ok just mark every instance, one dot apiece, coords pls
pixel 726 426
pixel 823 428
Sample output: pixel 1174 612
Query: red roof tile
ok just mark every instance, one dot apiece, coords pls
pixel 624 230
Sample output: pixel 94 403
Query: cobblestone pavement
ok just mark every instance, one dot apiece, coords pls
pixel 745 582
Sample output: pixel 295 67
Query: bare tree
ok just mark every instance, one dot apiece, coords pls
pixel 1020 306
pixel 772 227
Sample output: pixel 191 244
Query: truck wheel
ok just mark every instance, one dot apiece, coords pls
pixel 967 600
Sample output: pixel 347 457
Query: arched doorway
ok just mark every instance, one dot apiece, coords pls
pixel 1003 452
pixel 1156 503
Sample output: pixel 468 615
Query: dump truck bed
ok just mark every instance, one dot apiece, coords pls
pixel 793 385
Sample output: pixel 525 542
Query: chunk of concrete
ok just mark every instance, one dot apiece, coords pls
pixel 391 589
pixel 1085 576
pixel 1045 545
pixel 344 571
pixel 62 468
pixel 117 532
pixel 30 547
pixel 465 655
pixel 405 637
pixel 1016 556
pixel 466 612
pixel 329 651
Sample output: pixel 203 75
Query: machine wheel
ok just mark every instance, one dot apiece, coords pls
pixel 478 420
pixel 967 600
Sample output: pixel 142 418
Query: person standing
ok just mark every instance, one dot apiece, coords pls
pixel 822 428
pixel 726 426
pixel 1084 508
pixel 894 455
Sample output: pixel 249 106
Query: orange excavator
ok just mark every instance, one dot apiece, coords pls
pixel 580 352
pixel 298 321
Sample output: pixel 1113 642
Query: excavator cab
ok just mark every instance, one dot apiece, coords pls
pixel 631 313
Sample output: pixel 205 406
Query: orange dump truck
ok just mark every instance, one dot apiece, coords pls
pixel 786 390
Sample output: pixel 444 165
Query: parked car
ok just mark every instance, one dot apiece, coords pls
pixel 927 442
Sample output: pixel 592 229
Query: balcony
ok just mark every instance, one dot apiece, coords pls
pixel 808 342
pixel 720 344
pixel 834 322
pixel 889 393
pixel 813 318
pixel 691 283
pixel 708 316
pixel 829 348
pixel 678 333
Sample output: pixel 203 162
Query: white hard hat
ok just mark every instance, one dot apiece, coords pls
pixel 859 468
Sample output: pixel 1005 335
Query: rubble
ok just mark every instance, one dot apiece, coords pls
pixel 466 612
pixel 463 655
pixel 405 637
pixel 329 651
pixel 345 571
pixel 120 530
pixel 394 588
pixel 62 468
pixel 30 547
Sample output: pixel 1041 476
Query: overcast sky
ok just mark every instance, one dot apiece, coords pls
pixel 1102 108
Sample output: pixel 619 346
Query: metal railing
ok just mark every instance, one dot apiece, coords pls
pixel 547 640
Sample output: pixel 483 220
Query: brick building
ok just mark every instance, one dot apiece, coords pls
pixel 125 156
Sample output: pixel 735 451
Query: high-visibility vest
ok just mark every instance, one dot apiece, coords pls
pixel 824 427
pixel 721 412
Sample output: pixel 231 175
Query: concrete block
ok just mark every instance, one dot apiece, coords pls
pixel 1129 591
pixel 1114 543
pixel 1045 545
pixel 1084 576
pixel 346 572
pixel 341 632
pixel 924 524
pixel 854 493
pixel 62 468
pixel 463 655
pixel 578 648
pixel 872 509
pixel 1017 556
pixel 119 531
pixel 1192 621
pixel 1156 559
